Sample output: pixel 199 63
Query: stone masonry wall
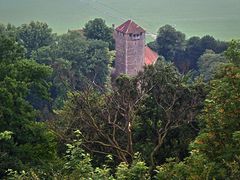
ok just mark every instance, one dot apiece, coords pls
pixel 135 55
pixel 129 54
pixel 120 46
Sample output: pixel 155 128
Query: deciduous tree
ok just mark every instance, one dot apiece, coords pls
pixel 171 103
pixel 30 139
pixel 34 35
pixel 98 30
pixel 169 41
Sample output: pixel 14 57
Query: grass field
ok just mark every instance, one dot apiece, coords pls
pixel 220 18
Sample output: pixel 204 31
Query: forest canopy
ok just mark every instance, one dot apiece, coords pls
pixel 63 116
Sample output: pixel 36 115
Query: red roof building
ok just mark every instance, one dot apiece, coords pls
pixel 150 56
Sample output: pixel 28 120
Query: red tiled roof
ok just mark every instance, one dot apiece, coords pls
pixel 130 27
pixel 150 56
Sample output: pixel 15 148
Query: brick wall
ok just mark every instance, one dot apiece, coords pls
pixel 129 53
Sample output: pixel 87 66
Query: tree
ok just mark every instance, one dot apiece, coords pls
pixel 221 46
pixel 192 53
pixel 8 30
pixel 30 139
pixel 208 42
pixel 62 75
pixel 75 62
pixel 209 63
pixel 105 120
pixel 215 152
pixel 195 47
pixel 77 164
pixel 171 44
pixel 34 35
pixel 153 45
pixel 137 170
pixel 233 52
pixel 184 53
pixel 171 103
pixel 169 41
pixel 90 59
pixel 98 30
pixel 115 122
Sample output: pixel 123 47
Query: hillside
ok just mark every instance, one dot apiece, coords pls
pixel 219 18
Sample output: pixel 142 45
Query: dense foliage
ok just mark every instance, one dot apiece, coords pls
pixel 30 139
pixel 173 46
pixel 215 152
pixel 63 117
pixel 76 61
pixel 98 30
pixel 209 64
pixel 34 35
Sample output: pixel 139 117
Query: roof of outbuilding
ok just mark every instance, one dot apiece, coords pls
pixel 150 56
pixel 130 27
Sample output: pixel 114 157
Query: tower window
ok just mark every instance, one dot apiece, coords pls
pixel 136 37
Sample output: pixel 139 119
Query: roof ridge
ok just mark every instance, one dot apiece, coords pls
pixel 130 27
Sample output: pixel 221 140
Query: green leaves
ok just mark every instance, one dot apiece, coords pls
pixel 10 50
pixel 35 35
pixel 6 135
pixel 137 170
pixel 215 152
pixel 88 60
pixel 209 63
pixel 233 52
pixel 98 30
pixel 31 142
pixel 169 41
pixel 166 126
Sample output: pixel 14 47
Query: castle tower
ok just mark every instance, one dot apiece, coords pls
pixel 130 48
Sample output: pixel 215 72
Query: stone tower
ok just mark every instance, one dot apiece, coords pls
pixel 130 48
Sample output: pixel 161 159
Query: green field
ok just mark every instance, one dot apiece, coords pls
pixel 220 18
